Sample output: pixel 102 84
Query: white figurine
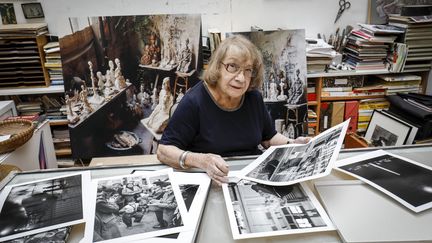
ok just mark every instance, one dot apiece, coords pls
pixel 87 109
pixel 281 95
pixel 158 119
pixel 71 115
pixel 101 80
pixel 95 98
pixel 119 80
pixel 273 91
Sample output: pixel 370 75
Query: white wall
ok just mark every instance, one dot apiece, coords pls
pixel 226 15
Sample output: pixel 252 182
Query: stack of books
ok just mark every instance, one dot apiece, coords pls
pixel 32 29
pixel 400 83
pixel 418 38
pixel 53 63
pixel 367 48
pixel 319 54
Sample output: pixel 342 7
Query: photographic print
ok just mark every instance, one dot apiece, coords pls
pixel 384 130
pixel 285 82
pixel 257 210
pixel 124 76
pixel 43 205
pixel 379 10
pixel 194 188
pixel 7 13
pixel 405 180
pixel 293 163
pixel 134 207
pixel 32 10
pixel 55 236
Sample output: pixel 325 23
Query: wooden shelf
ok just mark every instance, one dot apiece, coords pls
pixel 63 152
pixel 62 122
pixel 312 103
pixel 53 89
pixel 335 98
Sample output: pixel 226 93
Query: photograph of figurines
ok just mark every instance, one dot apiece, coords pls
pixel 258 210
pixel 40 206
pixel 124 76
pixel 137 207
pixel 285 82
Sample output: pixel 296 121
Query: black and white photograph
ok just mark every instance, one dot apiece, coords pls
pixel 379 10
pixel 293 163
pixel 32 10
pixel 7 13
pixel 56 236
pixel 257 210
pixel 42 205
pixel 134 207
pixel 405 180
pixel 385 130
pixel 194 188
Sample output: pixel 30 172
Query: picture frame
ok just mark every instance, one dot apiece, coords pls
pixel 32 10
pixel 384 130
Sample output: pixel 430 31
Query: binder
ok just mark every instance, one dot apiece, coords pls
pixel 338 113
pixel 351 111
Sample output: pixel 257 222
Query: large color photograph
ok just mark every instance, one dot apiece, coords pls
pixel 285 82
pixel 123 77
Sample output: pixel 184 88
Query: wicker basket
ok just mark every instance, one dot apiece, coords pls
pixel 21 131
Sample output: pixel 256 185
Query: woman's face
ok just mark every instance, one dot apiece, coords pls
pixel 234 83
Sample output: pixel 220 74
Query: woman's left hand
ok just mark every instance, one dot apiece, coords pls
pixel 302 140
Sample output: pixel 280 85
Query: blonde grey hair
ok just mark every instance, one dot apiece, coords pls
pixel 247 49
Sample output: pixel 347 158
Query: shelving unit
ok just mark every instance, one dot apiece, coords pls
pixel 22 59
pixel 318 78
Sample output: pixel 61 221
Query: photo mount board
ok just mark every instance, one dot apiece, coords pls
pixel 84 181
pixel 195 210
pixel 362 214
pixel 186 222
pixel 310 199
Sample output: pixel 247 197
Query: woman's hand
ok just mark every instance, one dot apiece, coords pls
pixel 216 168
pixel 302 140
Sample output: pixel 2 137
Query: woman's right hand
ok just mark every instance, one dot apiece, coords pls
pixel 216 168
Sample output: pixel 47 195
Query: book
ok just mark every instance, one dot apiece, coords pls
pixel 351 111
pixel 337 113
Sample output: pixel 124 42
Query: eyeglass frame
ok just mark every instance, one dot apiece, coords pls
pixel 239 69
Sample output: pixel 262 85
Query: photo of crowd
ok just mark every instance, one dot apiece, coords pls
pixel 135 205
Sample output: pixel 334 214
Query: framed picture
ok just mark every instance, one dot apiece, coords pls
pixel 7 13
pixel 32 10
pixel 386 131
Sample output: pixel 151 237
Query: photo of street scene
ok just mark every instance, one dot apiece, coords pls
pixel 262 210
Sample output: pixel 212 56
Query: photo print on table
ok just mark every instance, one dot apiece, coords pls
pixel 257 210
pixel 135 207
pixel 194 188
pixel 293 163
pixel 42 205
pixel 406 181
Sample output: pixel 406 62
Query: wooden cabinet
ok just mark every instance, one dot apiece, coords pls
pixel 22 61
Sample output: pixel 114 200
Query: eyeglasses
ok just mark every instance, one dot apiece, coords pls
pixel 235 69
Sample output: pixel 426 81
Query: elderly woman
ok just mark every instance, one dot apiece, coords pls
pixel 223 116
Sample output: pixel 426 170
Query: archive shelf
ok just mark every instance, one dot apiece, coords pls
pixel 319 77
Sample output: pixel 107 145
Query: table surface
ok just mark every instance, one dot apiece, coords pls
pixel 214 226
